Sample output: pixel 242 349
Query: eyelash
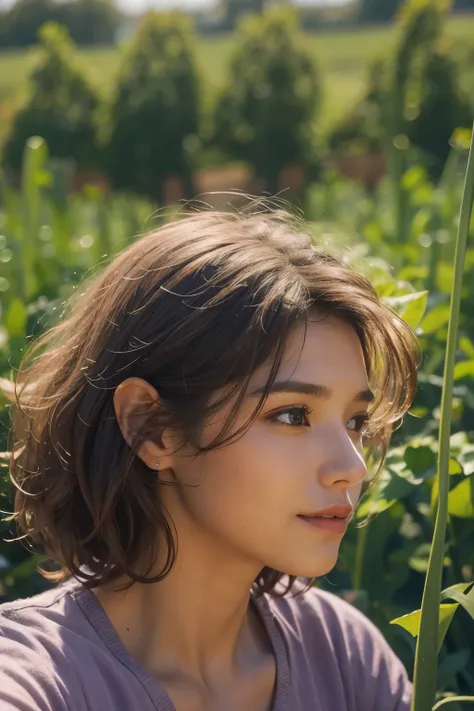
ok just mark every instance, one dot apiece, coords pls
pixel 364 419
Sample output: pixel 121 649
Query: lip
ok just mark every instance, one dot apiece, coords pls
pixel 337 510
pixel 342 515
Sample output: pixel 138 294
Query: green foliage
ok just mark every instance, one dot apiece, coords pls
pixel 440 96
pixel 265 114
pixel 406 91
pixel 155 113
pixel 88 21
pixel 426 656
pixel 48 242
pixel 233 10
pixel 61 106
pixel 377 10
pixel 384 563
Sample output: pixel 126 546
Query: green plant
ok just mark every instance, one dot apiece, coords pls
pixel 87 21
pixel 405 92
pixel 155 112
pixel 61 106
pixel 427 645
pixel 265 113
pixel 382 566
pixel 384 563
pixel 377 10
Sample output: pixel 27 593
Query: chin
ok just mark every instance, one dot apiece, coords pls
pixel 311 567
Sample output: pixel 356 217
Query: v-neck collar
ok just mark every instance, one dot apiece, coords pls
pixel 100 621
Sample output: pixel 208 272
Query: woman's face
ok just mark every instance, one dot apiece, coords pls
pixel 301 455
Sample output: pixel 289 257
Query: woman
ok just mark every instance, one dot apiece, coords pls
pixel 188 447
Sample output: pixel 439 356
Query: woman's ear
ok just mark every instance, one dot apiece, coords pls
pixel 134 400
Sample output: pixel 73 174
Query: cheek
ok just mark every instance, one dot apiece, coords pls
pixel 241 487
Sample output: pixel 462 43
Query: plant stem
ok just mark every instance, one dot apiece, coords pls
pixel 359 558
pixel 452 699
pixel 426 658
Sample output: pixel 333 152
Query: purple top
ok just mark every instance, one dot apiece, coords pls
pixel 59 650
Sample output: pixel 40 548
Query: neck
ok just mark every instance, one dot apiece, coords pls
pixel 197 622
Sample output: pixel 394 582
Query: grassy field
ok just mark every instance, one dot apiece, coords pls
pixel 342 57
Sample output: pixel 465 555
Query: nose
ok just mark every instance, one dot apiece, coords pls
pixel 341 460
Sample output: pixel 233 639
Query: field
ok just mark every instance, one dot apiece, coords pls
pixel 342 57
pixel 400 235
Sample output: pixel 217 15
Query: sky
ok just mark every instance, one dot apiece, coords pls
pixel 134 6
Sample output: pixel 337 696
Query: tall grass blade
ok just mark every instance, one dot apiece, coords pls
pixel 426 657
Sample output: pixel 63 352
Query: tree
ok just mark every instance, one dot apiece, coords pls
pixel 442 98
pixel 88 21
pixel 155 113
pixel 378 10
pixel 265 113
pixel 22 22
pixel 414 94
pixel 233 11
pixel 61 105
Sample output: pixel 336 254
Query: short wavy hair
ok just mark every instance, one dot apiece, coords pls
pixel 193 307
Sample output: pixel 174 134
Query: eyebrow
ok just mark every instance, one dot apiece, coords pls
pixel 318 391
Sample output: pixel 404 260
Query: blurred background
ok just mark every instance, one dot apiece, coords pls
pixel 357 113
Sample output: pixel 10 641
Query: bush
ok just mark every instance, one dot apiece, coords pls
pixel 265 113
pixel 155 114
pixel 88 21
pixel 20 24
pixel 405 92
pixel 441 98
pixel 377 10
pixel 61 106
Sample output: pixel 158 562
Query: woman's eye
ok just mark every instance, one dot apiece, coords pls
pixel 358 423
pixel 293 416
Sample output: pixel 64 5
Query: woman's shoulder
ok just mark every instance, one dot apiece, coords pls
pixel 46 611
pixel 25 618
pixel 331 613
pixel 328 619
pixel 34 663
pixel 328 636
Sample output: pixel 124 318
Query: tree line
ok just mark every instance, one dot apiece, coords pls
pixel 87 21
pixel 98 21
pixel 155 125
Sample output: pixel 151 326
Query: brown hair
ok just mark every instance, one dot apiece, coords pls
pixel 193 307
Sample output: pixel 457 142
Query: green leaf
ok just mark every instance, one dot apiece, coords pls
pixel 457 441
pixel 463 598
pixel 16 319
pixel 459 587
pixel 467 346
pixel 420 563
pixel 420 459
pixel 452 665
pixel 435 319
pixel 444 277
pixel 373 506
pixel 454 467
pixel 464 369
pixel 411 307
pixel 426 657
pixel 460 499
pixel 411 622
pixel 467 459
pixel 389 488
